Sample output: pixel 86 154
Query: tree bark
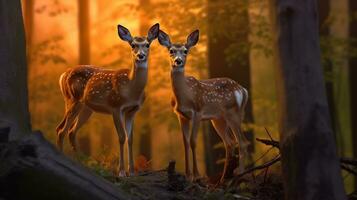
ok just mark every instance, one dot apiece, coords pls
pixel 32 168
pixel 14 111
pixel 220 38
pixel 309 161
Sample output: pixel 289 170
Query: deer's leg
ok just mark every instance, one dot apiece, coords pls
pixel 222 129
pixel 193 143
pixel 80 121
pixel 60 126
pixel 118 117
pixel 185 126
pixel 71 115
pixel 234 122
pixel 129 123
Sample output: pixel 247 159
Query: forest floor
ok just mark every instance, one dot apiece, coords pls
pixel 168 184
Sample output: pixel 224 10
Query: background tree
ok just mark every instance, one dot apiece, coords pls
pixel 309 161
pixel 14 111
pixel 353 76
pixel 84 55
pixel 228 56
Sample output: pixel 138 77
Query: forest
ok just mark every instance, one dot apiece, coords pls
pixel 295 58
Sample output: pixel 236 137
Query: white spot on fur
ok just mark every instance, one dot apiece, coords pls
pixel 239 97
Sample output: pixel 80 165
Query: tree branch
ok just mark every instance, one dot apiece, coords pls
pixel 265 165
pixel 344 162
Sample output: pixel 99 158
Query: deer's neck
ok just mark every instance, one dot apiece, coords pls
pixel 179 84
pixel 138 76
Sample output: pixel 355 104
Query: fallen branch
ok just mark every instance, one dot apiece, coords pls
pixel 273 143
pixel 348 161
pixel 259 167
pixel 348 169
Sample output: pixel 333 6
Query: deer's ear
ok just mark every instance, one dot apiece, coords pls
pixel 124 33
pixel 192 39
pixel 153 32
pixel 164 39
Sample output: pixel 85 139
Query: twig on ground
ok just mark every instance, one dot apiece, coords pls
pixel 348 161
pixel 348 169
pixel 266 130
pixel 263 166
pixel 273 143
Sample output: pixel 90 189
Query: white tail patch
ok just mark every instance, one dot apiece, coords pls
pixel 239 97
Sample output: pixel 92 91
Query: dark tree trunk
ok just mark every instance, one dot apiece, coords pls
pixel 221 35
pixel 32 168
pixel 144 126
pixel 353 80
pixel 14 112
pixel 309 161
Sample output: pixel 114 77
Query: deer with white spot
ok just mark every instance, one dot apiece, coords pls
pixel 120 93
pixel 220 100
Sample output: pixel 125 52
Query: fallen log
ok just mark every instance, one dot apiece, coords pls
pixel 32 168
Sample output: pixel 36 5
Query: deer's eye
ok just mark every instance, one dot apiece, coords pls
pixel 133 46
pixel 172 51
pixel 185 51
pixel 147 45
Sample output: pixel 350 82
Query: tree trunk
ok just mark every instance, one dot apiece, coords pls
pixel 309 161
pixel 84 57
pixel 84 32
pixel 14 111
pixel 353 80
pixel 28 10
pixel 238 68
pixel 339 29
pixel 32 168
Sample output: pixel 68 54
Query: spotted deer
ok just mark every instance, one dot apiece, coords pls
pixel 120 93
pixel 220 100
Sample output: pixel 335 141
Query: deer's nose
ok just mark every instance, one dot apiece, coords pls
pixel 178 61
pixel 141 56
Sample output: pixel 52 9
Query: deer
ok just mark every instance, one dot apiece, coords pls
pixel 120 93
pixel 220 100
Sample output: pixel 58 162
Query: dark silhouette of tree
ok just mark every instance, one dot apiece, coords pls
pixel 309 161
pixel 14 112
